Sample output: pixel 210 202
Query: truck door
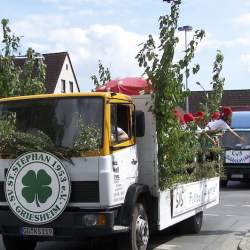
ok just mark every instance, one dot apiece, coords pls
pixel 124 152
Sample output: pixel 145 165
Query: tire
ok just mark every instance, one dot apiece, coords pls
pixel 223 183
pixel 193 224
pixel 138 236
pixel 16 243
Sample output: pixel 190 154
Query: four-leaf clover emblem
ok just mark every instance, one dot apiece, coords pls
pixel 36 186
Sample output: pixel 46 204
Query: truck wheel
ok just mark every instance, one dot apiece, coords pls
pixel 192 225
pixel 138 236
pixel 16 243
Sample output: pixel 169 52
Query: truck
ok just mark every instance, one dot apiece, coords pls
pixel 237 155
pixel 81 181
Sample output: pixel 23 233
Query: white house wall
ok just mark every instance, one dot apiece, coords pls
pixel 68 76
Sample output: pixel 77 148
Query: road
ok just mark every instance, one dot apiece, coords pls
pixel 223 227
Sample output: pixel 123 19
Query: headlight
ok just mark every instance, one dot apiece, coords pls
pixel 90 220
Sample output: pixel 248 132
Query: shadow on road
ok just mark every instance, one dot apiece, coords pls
pixel 109 244
pixel 236 186
pixel 156 240
pixel 163 237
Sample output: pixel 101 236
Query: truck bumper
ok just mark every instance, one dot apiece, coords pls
pixel 237 172
pixel 69 226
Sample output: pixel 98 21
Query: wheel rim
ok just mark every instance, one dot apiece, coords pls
pixel 142 231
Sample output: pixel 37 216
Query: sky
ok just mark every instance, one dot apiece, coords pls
pixel 111 31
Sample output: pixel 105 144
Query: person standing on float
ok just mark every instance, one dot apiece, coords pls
pixel 223 124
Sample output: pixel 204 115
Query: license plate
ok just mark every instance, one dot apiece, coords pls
pixel 237 156
pixel 37 231
pixel 237 176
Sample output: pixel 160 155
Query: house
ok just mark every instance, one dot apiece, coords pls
pixel 238 100
pixel 60 76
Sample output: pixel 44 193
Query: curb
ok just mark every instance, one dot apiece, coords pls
pixel 244 242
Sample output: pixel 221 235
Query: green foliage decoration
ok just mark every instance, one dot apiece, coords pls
pixel 217 84
pixel 15 81
pixel 14 143
pixel 177 147
pixel 212 100
pixel 89 139
pixel 32 76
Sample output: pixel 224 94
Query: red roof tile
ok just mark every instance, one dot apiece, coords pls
pixel 237 99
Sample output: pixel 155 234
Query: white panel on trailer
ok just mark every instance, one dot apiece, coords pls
pixel 187 200
pixel 192 195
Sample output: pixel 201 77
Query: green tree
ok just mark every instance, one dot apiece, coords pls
pixel 212 99
pixel 104 76
pixel 176 146
pixel 32 76
pixel 15 80
pixel 217 84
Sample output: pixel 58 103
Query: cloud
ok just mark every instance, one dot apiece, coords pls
pixel 211 42
pixel 99 6
pixel 79 2
pixel 36 26
pixel 245 58
pixel 50 1
pixel 243 19
pixel 112 44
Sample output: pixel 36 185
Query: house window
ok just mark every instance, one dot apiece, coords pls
pixel 63 86
pixel 67 66
pixel 71 86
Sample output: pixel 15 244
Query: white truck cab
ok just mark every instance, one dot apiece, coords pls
pixel 82 181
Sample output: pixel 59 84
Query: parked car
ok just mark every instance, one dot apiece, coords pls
pixel 237 155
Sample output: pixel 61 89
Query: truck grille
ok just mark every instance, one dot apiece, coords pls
pixel 81 191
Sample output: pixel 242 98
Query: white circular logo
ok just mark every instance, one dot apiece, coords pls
pixel 37 187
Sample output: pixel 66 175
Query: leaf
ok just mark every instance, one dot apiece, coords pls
pixel 29 178
pixel 43 178
pixel 28 194
pixel 44 193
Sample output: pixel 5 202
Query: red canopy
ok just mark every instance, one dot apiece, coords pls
pixel 128 86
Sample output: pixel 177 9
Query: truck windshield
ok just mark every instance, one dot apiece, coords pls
pixel 230 141
pixel 75 122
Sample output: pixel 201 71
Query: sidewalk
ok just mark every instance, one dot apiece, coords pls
pixel 244 242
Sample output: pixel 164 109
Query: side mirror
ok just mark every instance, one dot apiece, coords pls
pixel 140 123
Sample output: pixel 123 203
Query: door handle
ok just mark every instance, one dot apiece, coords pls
pixel 134 162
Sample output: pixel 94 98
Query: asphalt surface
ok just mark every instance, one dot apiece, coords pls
pixel 224 227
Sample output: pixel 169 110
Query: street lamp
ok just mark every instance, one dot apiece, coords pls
pixel 186 28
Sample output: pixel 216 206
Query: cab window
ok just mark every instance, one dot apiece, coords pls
pixel 121 129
